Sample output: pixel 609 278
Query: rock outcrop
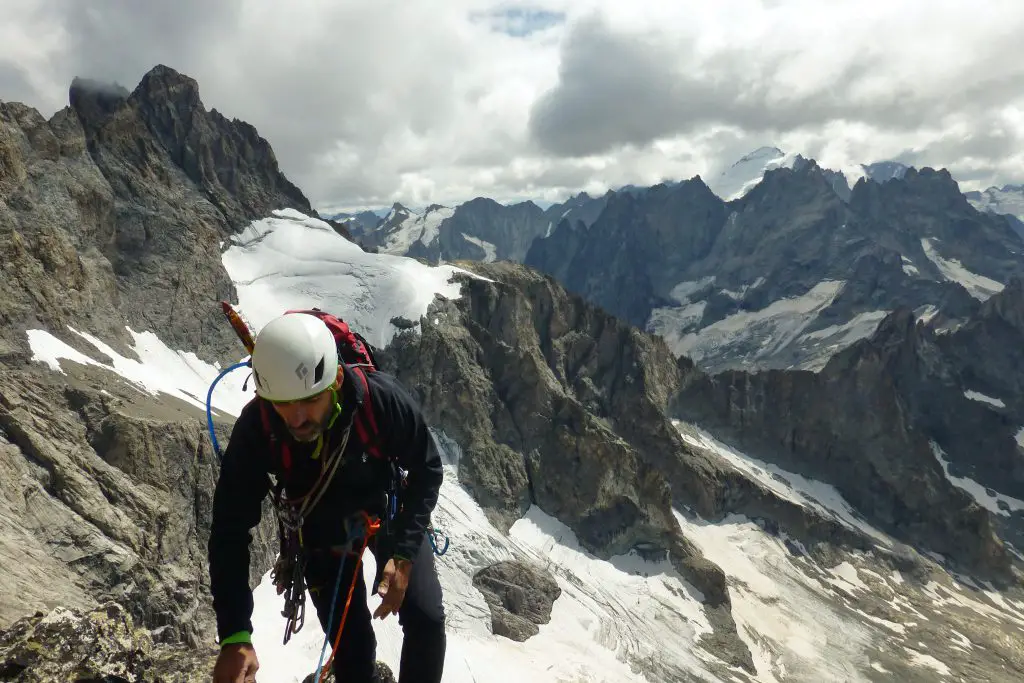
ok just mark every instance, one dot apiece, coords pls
pixel 520 598
pixel 102 645
pixel 109 493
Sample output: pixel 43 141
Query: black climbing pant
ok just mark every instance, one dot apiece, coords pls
pixel 421 617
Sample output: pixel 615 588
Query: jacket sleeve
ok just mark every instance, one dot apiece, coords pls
pixel 408 437
pixel 237 507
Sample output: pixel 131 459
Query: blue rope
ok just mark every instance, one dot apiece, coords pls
pixel 330 620
pixel 351 538
pixel 209 408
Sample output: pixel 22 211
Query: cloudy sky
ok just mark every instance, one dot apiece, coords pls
pixel 369 102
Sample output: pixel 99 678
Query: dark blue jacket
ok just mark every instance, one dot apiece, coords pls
pixel 360 483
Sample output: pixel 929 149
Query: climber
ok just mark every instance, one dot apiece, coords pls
pixel 315 404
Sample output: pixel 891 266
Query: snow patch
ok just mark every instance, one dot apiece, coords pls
pixel 836 337
pixel 784 617
pixel 807 493
pixel 406 227
pixel 978 286
pixel 157 370
pixel 770 329
pixel 684 290
pixel 1008 199
pixel 673 323
pixel 489 249
pixel 745 174
pixel 909 268
pixel 975 396
pixel 926 313
pixel 738 296
pixel 927 661
pixel 987 498
pixel 293 261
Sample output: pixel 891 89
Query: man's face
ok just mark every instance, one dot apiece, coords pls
pixel 306 419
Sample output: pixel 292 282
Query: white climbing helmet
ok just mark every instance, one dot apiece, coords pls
pixel 294 357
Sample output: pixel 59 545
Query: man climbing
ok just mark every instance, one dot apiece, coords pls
pixel 335 492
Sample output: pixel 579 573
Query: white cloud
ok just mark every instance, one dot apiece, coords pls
pixel 368 103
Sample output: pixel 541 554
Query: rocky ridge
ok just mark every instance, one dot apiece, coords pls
pixel 112 212
pixel 789 273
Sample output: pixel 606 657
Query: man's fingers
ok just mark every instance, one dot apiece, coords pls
pixel 389 605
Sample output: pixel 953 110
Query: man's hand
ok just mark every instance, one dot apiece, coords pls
pixel 236 663
pixel 393 583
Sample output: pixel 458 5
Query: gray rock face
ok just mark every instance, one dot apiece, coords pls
pixel 113 210
pixel 111 214
pixel 641 255
pixel 110 497
pixel 713 277
pixel 557 404
pixel 510 229
pixel 520 598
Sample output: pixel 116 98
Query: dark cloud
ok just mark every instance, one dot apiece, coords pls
pixel 990 141
pixel 350 76
pixel 616 89
pixel 365 104
pixel 15 85
pixel 122 39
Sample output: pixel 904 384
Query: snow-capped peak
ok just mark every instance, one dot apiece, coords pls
pixel 881 171
pixel 403 227
pixel 1008 199
pixel 743 175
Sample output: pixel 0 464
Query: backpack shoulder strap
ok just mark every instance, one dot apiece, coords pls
pixel 365 420
pixel 277 446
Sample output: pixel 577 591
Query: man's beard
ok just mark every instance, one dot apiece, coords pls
pixel 309 431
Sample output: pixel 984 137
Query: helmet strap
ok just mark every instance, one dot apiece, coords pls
pixel 335 408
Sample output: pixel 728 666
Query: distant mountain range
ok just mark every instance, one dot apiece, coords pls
pixel 775 263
